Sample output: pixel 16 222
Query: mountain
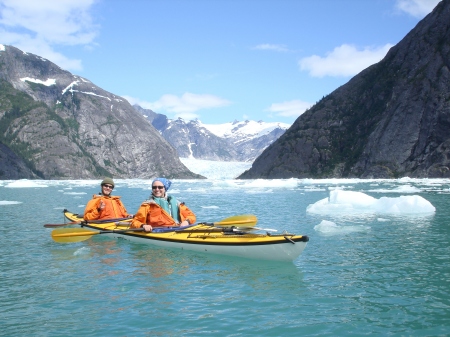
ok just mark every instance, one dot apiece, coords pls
pixel 56 125
pixel 236 141
pixel 391 120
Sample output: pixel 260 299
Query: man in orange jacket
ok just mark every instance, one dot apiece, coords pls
pixel 104 206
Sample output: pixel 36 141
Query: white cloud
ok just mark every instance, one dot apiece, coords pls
pixel 184 106
pixel 345 60
pixel 273 47
pixel 39 26
pixel 290 108
pixel 134 100
pixel 416 8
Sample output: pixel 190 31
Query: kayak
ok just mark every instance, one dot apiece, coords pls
pixel 235 237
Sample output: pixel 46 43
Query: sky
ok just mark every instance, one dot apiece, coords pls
pixel 215 60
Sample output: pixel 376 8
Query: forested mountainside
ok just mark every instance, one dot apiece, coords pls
pixel 56 125
pixel 241 141
pixel 391 120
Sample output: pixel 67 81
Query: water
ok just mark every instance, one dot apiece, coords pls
pixel 361 273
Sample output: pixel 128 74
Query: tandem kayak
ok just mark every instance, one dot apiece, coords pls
pixel 221 238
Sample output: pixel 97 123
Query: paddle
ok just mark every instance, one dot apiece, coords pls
pixel 66 235
pixel 256 229
pixel 249 220
pixel 53 225
pixel 49 225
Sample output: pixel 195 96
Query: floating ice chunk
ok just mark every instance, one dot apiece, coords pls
pixel 271 183
pixel 24 183
pixel 399 189
pixel 345 202
pixel 413 204
pixel 329 227
pixel 6 202
pixel 82 251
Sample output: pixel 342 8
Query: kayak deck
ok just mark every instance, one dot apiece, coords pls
pixel 207 238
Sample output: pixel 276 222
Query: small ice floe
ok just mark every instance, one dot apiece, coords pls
pixel 351 202
pixel 81 251
pixel 24 183
pixel 258 192
pixel 7 202
pixel 329 227
pixel 313 189
pixel 270 184
pixel 400 189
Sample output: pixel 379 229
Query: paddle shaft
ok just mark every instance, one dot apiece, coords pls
pixel 53 225
pixel 84 221
pixel 212 230
pixel 88 233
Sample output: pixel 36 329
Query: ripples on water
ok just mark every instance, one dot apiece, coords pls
pixel 369 274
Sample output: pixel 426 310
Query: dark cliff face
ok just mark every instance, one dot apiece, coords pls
pixel 63 126
pixel 391 120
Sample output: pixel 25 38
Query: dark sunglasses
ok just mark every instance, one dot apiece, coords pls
pixel 157 187
pixel 108 186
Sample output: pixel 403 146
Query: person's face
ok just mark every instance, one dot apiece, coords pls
pixel 158 189
pixel 107 189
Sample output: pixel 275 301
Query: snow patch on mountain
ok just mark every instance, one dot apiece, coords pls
pixel 245 129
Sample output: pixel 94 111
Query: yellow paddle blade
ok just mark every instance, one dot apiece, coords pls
pixel 67 235
pixel 249 220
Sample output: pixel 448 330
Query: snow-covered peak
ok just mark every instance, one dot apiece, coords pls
pixel 244 128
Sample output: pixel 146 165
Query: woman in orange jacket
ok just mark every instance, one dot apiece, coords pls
pixel 104 206
pixel 162 210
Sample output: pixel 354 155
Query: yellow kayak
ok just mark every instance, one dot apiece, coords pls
pixel 217 238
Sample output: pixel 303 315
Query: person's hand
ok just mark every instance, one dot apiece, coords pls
pixel 101 206
pixel 184 223
pixel 130 216
pixel 147 228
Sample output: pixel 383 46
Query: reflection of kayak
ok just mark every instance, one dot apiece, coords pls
pixel 203 237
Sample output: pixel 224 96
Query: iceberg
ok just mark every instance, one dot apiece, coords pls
pixel 345 202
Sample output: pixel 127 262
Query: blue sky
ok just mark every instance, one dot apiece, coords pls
pixel 215 60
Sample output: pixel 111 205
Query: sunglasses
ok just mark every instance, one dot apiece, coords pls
pixel 157 187
pixel 108 186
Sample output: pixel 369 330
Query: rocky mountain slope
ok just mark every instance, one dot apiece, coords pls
pixel 391 120
pixel 55 125
pixel 236 141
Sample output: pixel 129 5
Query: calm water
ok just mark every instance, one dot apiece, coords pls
pixel 371 275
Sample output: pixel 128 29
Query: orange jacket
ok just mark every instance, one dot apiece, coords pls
pixel 150 213
pixel 113 208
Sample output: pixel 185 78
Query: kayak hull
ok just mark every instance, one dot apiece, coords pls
pixel 212 240
pixel 282 250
